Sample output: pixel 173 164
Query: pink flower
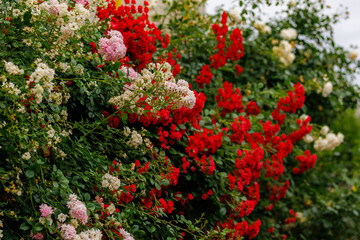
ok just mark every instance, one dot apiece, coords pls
pixel 112 48
pixel 129 72
pixel 68 232
pixel 115 33
pixel 37 236
pixel 82 2
pixel 52 6
pixel 77 209
pixel 125 234
pixel 46 210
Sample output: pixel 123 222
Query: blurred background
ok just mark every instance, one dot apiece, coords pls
pixel 347 32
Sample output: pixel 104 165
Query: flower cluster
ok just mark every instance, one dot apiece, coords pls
pixel 262 27
pixel 46 210
pixel 158 81
pixel 112 48
pixel 12 69
pixel 89 234
pixel 306 162
pixel 111 182
pixel 136 139
pixel 140 36
pixel 288 34
pixel 284 52
pixel 234 52
pixel 77 209
pixel 329 142
pixel 204 77
pixel 68 229
pixel 40 80
pixel 229 100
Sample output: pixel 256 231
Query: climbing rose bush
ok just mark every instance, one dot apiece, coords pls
pixel 109 132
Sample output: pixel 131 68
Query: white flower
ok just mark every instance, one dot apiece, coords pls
pixel 16 12
pixel 303 117
pixel 284 52
pixel 12 69
pixel 152 3
pixel 93 234
pixel 288 34
pixel 340 137
pixel 330 142
pixel 105 183
pixel 262 27
pixel 353 55
pixel 324 130
pixel 328 87
pixel 62 217
pixel 136 139
pixel 266 29
pixel 320 144
pixel 259 25
pixel 292 3
pixel 26 156
pixel 234 14
pixel 308 138
pixel 27 42
pixel 111 209
pixel 42 220
pixel 49 219
pixel 111 182
pixel 127 131
pixel 51 133
pixel 74 222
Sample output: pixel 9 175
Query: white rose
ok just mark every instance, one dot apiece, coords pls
pixel 328 87
pixel 288 34
pixel 320 144
pixel 266 29
pixel 308 138
pixel 324 130
pixel 353 55
pixel 234 14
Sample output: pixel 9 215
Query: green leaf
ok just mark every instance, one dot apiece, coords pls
pixel 64 182
pixel 87 197
pixel 29 173
pixel 91 206
pixel 223 211
pixel 124 117
pixel 152 229
pixel 24 226
pixel 37 227
pixel 164 182
pixel 260 116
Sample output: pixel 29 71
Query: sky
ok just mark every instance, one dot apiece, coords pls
pixel 347 32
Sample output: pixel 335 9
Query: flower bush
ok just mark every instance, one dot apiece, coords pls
pixel 111 129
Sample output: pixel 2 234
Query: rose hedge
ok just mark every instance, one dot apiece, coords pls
pixel 113 130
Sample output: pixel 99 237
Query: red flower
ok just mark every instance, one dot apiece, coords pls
pixel 205 76
pixel 204 196
pixel 252 108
